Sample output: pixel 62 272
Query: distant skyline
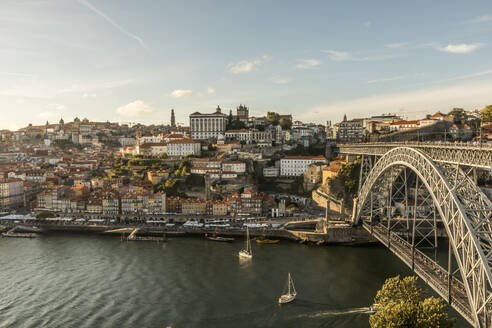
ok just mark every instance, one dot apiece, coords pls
pixel 132 61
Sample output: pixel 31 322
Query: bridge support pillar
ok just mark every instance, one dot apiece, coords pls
pixel 366 164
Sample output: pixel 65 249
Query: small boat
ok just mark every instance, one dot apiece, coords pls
pixel 219 238
pixel 246 253
pixel 374 308
pixel 291 292
pixel 267 241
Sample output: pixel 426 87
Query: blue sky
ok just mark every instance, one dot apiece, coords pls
pixel 132 61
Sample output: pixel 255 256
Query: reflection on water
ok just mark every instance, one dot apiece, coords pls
pixel 93 281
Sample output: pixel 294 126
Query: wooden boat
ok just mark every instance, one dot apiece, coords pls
pixel 267 241
pixel 247 252
pixel 291 292
pixel 219 238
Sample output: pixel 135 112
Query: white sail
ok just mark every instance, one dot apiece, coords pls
pixel 246 253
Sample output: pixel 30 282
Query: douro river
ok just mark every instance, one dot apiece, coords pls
pixel 79 281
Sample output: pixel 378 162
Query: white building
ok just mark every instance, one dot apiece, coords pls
pixel 206 126
pixel 11 193
pixel 183 147
pixel 149 139
pixel 206 163
pixel 248 136
pixel 297 165
pixel 125 142
pixel 270 172
pixel 236 167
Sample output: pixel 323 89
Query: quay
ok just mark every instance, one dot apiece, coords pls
pixel 297 231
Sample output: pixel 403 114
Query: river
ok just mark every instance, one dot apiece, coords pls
pixel 81 281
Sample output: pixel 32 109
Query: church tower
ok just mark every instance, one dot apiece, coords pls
pixel 173 119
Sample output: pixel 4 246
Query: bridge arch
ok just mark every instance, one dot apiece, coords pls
pixel 465 213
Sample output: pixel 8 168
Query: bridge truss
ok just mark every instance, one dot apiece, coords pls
pixel 407 200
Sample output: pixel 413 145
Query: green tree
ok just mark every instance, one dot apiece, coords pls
pixel 401 303
pixel 458 114
pixel 487 114
pixel 285 123
pixel 273 118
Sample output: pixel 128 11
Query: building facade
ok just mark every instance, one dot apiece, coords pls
pixel 297 165
pixel 207 126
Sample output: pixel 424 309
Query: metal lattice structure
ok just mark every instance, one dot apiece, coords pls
pixel 469 155
pixel 444 193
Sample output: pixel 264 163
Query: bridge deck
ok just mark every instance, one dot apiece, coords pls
pixel 426 268
pixel 462 154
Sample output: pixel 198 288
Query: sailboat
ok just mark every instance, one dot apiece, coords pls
pixel 291 292
pixel 246 253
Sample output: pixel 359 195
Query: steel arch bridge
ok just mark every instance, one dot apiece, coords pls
pixel 407 199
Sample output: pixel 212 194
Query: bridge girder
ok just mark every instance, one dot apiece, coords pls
pixel 469 155
pixel 465 212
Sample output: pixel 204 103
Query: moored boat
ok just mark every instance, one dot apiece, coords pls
pixel 267 241
pixel 219 238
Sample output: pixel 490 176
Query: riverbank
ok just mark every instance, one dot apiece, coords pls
pixel 335 235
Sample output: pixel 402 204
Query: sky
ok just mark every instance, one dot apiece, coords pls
pixel 134 60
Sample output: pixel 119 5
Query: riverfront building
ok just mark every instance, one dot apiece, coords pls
pixel 297 165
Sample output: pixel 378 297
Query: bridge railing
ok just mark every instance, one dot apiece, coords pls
pixel 431 272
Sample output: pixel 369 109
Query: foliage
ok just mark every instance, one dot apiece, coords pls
pixel 44 215
pixel 273 118
pixel 170 187
pixel 459 115
pixel 487 114
pixel 345 184
pixel 236 125
pixel 195 180
pixel 285 123
pixel 65 144
pixel 401 303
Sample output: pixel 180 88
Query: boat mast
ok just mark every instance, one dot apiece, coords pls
pixel 288 283
pixel 248 245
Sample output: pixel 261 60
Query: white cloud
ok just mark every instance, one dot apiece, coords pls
pixel 134 109
pixel 308 63
pixel 180 93
pixel 466 95
pixel 246 66
pixel 112 22
pixel 89 95
pixel 397 45
pixel 336 55
pixel 367 24
pixel 280 80
pixel 461 48
pixel 210 91
pixel 480 19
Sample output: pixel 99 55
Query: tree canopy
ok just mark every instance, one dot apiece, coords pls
pixel 487 114
pixel 273 118
pixel 401 303
pixel 459 115
pixel 285 123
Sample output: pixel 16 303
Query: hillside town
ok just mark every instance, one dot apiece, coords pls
pixel 224 163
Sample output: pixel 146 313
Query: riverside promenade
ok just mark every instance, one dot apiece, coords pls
pixel 300 231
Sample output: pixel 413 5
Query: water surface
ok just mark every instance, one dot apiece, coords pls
pixel 97 281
